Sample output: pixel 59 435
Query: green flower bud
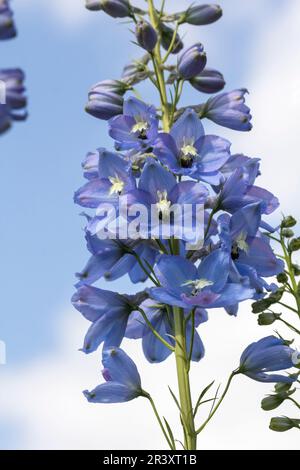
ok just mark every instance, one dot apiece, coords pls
pixel 294 244
pixel 296 269
pixel 282 387
pixel 271 402
pixel 288 222
pixel 276 296
pixel 282 278
pixel 267 318
pixel 283 423
pixel 287 233
pixel 260 305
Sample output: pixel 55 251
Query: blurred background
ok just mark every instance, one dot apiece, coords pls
pixel 64 49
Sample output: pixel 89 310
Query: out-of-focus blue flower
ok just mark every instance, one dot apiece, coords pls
pixel 108 311
pixel 187 151
pixel 105 99
pixel 114 8
pixel 192 61
pixel 166 39
pixel 123 382
pixel 7 26
pixel 163 322
pixel 208 81
pixel 114 178
pixel 269 354
pixel 201 15
pixel 184 285
pixel 136 128
pixel 14 96
pixel 134 72
pixel 146 35
pixel 229 110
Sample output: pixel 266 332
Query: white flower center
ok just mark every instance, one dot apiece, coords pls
pixel 140 128
pixel 163 205
pixel 189 151
pixel 241 242
pixel 117 185
pixel 198 284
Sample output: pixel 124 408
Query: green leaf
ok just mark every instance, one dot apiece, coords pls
pixel 170 433
pixel 204 391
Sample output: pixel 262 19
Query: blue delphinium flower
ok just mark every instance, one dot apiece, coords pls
pixel 186 150
pixel 159 189
pixel 162 321
pixel 108 311
pixel 7 26
pixel 269 354
pixel 123 382
pixel 114 179
pixel 184 285
pixel 15 99
pixel 136 128
pixel 229 110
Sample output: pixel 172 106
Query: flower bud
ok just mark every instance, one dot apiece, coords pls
pixel 283 423
pixel 282 278
pixel 271 402
pixel 136 71
pixel 166 39
pixel 287 233
pixel 7 26
pixel 296 269
pixel 260 305
pixel 208 81
pixel 114 8
pixel 146 35
pixel 294 244
pixel 192 61
pixel 104 105
pixel 93 5
pixel 282 387
pixel 200 15
pixel 288 222
pixel 267 318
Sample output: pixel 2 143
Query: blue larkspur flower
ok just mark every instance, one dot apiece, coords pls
pixel 162 321
pixel 136 128
pixel 107 311
pixel 229 110
pixel 269 354
pixel 123 382
pixel 186 150
pixel 184 285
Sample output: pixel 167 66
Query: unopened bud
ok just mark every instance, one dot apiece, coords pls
pixel 283 423
pixel 288 222
pixel 146 35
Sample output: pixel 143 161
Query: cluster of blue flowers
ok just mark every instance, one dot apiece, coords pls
pixel 163 156
pixel 13 100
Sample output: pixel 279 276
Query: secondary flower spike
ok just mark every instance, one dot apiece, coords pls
pixel 7 26
pixel 269 354
pixel 123 382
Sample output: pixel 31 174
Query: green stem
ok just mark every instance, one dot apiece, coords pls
pixel 183 381
pixel 158 336
pixel 295 402
pixel 289 325
pixel 157 64
pixel 289 263
pixel 148 396
pixel 218 404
